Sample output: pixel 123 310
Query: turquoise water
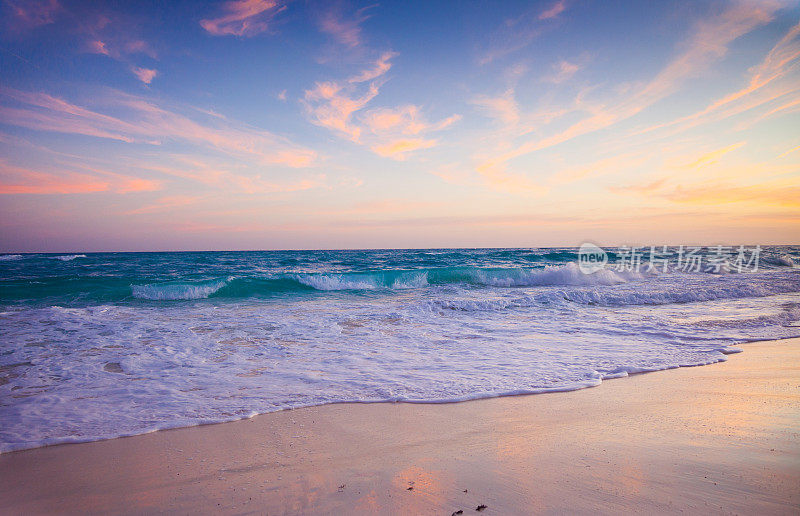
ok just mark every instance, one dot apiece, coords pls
pixel 99 345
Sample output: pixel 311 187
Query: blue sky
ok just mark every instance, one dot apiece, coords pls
pixel 263 124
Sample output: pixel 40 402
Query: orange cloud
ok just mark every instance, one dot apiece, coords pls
pixel 793 149
pixel 243 18
pixel 398 149
pixel 776 65
pixel 402 120
pixel 712 157
pixel 775 194
pixel 789 107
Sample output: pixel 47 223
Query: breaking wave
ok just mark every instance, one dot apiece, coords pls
pixel 175 291
pixel 69 257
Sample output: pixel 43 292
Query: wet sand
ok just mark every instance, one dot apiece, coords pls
pixel 715 439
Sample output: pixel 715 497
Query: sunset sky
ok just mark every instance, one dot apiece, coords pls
pixel 265 124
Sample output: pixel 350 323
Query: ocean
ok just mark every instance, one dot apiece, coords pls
pixel 101 345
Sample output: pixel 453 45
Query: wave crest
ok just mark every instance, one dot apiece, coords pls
pixel 69 257
pixel 176 291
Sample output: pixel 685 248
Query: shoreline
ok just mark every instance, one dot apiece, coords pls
pixel 512 453
pixel 731 350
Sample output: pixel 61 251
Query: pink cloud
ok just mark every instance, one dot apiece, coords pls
pixel 562 72
pixel 146 122
pixel 243 18
pixel 553 11
pixel 119 48
pixel 30 14
pixel 347 31
pixel 332 104
pixel 144 74
pixel 98 47
pixel 18 180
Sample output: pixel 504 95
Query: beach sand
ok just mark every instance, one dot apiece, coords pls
pixel 716 439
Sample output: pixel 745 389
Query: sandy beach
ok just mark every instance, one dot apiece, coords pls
pixel 715 439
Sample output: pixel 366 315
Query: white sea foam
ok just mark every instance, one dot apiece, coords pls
pixel 78 372
pixel 569 274
pixel 69 257
pixel 337 282
pixel 10 257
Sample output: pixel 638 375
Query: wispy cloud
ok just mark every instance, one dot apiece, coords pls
pixel 762 86
pixel 119 46
pixel 346 30
pixel 332 105
pixel 382 65
pixel 784 193
pixel 708 43
pixel 146 122
pixel 399 149
pixel 405 120
pixel 117 36
pixel 553 11
pixel 503 107
pixel 223 176
pixel 517 33
pixel 29 14
pixel 793 149
pixel 20 180
pixel 562 72
pixel 710 158
pixel 243 18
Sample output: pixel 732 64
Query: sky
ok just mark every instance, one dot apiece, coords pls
pixel 272 124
